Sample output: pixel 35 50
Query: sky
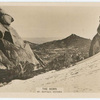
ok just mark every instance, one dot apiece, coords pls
pixel 55 19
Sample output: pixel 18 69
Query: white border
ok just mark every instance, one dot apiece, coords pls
pixel 49 0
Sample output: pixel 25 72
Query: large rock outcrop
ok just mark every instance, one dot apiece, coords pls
pixel 95 44
pixel 16 56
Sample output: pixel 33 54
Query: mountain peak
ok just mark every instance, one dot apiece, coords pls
pixel 73 35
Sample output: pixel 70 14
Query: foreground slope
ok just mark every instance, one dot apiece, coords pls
pixel 83 77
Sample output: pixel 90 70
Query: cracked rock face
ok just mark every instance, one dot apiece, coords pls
pixel 16 57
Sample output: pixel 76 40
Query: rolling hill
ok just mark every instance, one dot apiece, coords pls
pixel 70 41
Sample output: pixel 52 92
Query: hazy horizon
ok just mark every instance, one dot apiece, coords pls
pixel 40 40
pixel 54 20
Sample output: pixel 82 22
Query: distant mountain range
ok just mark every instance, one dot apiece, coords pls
pixel 41 40
pixel 71 41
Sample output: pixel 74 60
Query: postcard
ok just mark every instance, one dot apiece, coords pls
pixel 49 49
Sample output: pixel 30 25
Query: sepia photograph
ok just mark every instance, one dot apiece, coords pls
pixel 49 48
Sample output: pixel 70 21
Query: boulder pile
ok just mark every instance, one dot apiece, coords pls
pixel 17 60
